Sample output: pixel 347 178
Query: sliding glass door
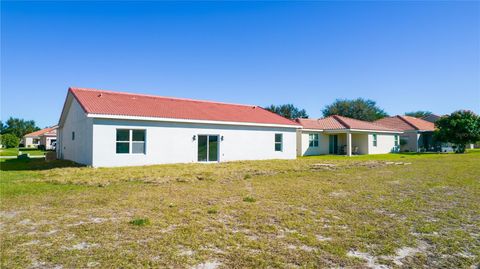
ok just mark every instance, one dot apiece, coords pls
pixel 208 148
pixel 333 144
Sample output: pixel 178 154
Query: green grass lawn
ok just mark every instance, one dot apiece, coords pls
pixel 398 210
pixel 14 151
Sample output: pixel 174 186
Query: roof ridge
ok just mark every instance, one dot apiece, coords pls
pixel 408 122
pixel 342 122
pixel 341 119
pixel 157 96
pixel 42 131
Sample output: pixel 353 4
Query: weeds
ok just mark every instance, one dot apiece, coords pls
pixel 249 199
pixel 140 222
pixel 212 211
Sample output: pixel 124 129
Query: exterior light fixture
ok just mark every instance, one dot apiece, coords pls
pixel 194 137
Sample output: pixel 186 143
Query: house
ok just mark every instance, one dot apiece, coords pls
pixel 431 118
pixel 105 129
pixel 345 136
pixel 417 133
pixel 42 138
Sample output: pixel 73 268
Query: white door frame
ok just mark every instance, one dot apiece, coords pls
pixel 208 148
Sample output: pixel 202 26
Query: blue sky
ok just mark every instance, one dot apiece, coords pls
pixel 404 55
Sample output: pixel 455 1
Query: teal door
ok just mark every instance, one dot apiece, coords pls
pixel 208 148
pixel 333 144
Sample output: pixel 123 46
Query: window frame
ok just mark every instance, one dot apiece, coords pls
pixel 374 140
pixel 396 140
pixel 312 138
pixel 131 142
pixel 219 140
pixel 144 142
pixel 279 143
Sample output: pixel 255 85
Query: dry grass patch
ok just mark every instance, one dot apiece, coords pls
pixel 363 212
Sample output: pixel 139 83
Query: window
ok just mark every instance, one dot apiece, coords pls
pixel 73 135
pixel 396 141
pixel 138 141
pixel 35 141
pixel 130 141
pixel 374 140
pixel 123 141
pixel 278 142
pixel 313 140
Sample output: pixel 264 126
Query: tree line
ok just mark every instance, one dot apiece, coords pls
pixel 14 129
pixel 361 109
pixel 460 127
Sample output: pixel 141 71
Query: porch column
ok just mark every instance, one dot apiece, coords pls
pixel 349 144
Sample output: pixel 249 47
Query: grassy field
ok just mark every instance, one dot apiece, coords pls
pixel 14 151
pixel 402 210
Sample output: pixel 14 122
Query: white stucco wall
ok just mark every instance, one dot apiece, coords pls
pixel 168 142
pixel 28 142
pixel 306 150
pixel 80 149
pixel 385 143
pixel 47 141
pixel 362 140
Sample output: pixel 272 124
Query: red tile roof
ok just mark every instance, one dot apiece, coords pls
pixel 406 123
pixel 395 123
pixel 128 104
pixel 329 123
pixel 47 131
pixel 336 122
pixel 431 117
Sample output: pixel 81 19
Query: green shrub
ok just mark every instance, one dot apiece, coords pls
pixel 140 222
pixel 249 199
pixel 212 211
pixel 10 140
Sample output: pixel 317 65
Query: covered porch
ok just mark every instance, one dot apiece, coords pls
pixel 345 136
pixel 347 142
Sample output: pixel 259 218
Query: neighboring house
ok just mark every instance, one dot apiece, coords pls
pixel 417 133
pixel 431 118
pixel 105 129
pixel 46 137
pixel 345 136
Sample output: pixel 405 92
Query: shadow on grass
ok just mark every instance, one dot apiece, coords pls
pixel 34 164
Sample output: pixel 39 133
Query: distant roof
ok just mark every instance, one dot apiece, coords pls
pixel 337 122
pixel 406 123
pixel 47 131
pixel 431 118
pixel 129 104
